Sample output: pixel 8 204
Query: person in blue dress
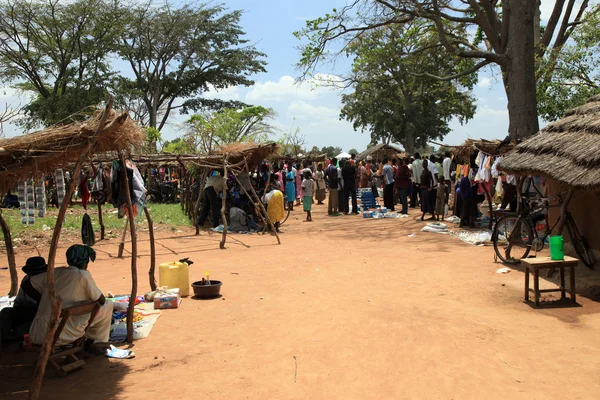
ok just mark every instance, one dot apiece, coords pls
pixel 290 188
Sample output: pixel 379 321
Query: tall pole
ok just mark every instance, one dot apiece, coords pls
pixel 224 204
pixel 55 301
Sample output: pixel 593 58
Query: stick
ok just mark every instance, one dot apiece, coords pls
pixel 10 254
pixel 296 368
pixel 100 221
pixel 223 204
pixel 133 252
pixel 55 301
pixel 122 244
pixel 152 250
pixel 198 200
pixel 563 211
pixel 250 197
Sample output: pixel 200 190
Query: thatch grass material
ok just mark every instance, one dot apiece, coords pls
pixel 236 152
pixel 42 152
pixel 495 148
pixel 567 150
pixel 381 149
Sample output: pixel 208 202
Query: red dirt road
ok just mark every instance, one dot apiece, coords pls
pixel 345 308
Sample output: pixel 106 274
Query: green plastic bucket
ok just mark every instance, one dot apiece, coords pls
pixel 557 248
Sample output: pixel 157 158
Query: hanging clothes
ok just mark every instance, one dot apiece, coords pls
pixel 84 190
pixel 101 185
pixel 87 231
pixel 137 191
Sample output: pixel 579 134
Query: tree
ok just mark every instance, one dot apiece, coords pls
pixel 352 151
pixel 331 151
pixel 179 53
pixel 293 143
pixel 6 115
pixel 507 35
pixel 573 76
pixel 315 150
pixel 392 97
pixel 57 50
pixel 205 133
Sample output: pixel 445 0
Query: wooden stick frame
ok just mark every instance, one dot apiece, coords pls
pixel 55 300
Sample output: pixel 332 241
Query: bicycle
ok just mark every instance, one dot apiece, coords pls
pixel 514 236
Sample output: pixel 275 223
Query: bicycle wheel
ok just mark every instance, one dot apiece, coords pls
pixel 580 244
pixel 512 238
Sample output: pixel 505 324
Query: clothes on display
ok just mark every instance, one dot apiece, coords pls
pixel 84 191
pixel 137 190
pixel 87 231
pixel 101 185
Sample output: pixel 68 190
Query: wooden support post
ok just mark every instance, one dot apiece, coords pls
pixel 10 254
pixel 563 211
pixel 259 212
pixel 55 301
pixel 224 204
pixel 152 250
pixel 261 205
pixel 199 200
pixel 102 229
pixel 131 219
pixel 123 235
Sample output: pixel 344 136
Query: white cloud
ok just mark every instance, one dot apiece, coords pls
pixel 484 83
pixel 286 89
pixel 230 93
pixel 302 110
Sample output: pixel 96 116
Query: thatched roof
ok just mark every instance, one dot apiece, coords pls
pixel 567 150
pixel 28 155
pixel 490 147
pixel 379 150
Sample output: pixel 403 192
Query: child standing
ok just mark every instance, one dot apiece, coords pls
pixel 440 204
pixel 308 187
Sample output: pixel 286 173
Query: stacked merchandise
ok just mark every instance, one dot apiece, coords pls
pixel 30 203
pixel 367 200
pixel 60 186
pixel 40 198
pixel 23 201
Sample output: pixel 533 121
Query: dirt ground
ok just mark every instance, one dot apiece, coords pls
pixel 345 308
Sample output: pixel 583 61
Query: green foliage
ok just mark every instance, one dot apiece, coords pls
pixel 568 79
pixel 58 51
pixel 292 143
pixel 168 214
pixel 205 133
pixel 393 97
pixel 178 52
pixel 352 151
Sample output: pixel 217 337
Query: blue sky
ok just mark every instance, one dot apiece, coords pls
pixel 315 110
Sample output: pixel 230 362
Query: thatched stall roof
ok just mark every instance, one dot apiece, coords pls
pixel 567 150
pixel 494 148
pixel 379 150
pixel 41 152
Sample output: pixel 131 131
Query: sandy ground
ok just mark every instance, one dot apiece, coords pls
pixel 345 308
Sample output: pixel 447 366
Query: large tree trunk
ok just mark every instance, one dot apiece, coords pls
pixel 409 142
pixel 519 69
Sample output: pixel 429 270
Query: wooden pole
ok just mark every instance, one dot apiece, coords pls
pixel 563 211
pixel 55 301
pixel 224 204
pixel 261 205
pixel 152 250
pixel 102 229
pixel 199 199
pixel 123 235
pixel 10 254
pixel 131 219
pixel 491 206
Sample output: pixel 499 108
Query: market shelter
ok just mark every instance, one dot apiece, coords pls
pixel 42 152
pixel 567 153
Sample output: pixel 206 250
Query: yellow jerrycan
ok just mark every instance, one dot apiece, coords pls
pixel 175 275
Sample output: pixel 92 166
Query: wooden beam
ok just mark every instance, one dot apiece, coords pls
pixel 261 205
pixel 131 219
pixel 55 301
pixel 563 211
pixel 122 243
pixel 152 250
pixel 224 204
pixel 10 255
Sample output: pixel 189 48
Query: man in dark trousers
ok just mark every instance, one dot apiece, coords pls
pixel 349 176
pixel 331 176
pixel 214 186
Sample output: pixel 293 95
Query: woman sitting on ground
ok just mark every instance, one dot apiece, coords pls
pixel 74 285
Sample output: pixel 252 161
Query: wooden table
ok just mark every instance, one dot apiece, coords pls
pixel 535 264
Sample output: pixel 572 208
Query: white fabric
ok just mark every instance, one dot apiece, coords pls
pixel 434 170
pixel 74 286
pixel 417 170
pixel 343 155
pixel 340 179
pixel 446 166
pixel 216 182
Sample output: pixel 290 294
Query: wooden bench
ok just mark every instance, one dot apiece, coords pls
pixel 535 264
pixel 71 362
